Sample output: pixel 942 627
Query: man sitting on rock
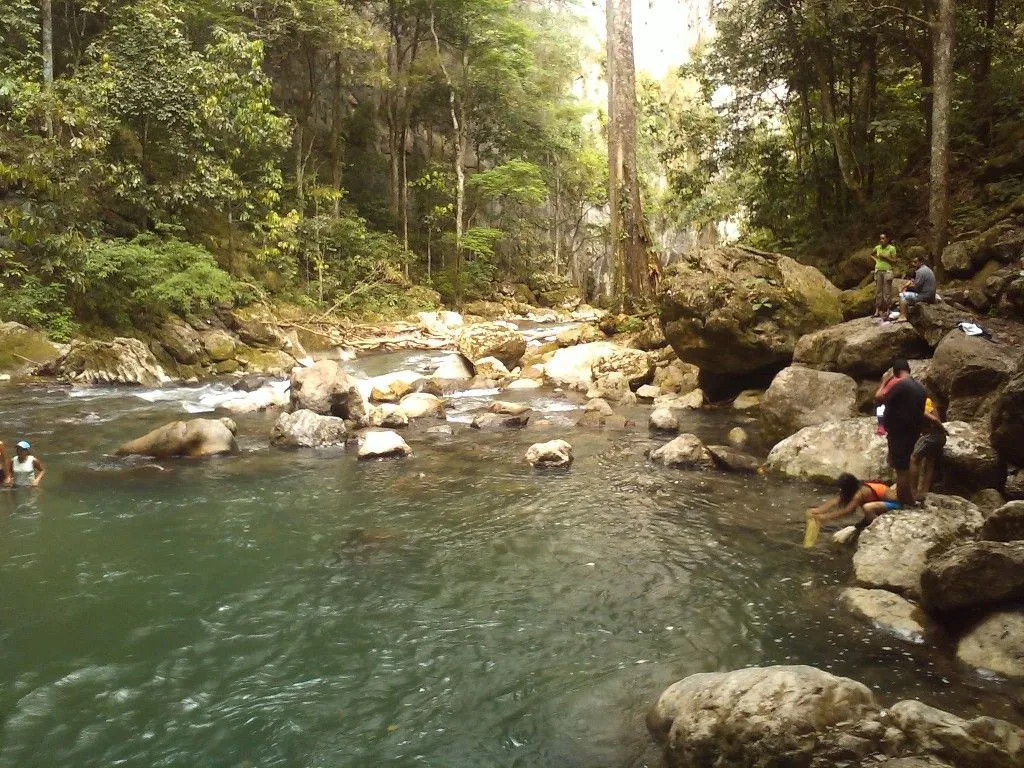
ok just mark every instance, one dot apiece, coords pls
pixel 920 290
pixel 903 419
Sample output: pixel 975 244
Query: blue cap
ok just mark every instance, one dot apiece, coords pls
pixel 24 445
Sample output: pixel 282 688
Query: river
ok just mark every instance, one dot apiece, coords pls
pixel 455 608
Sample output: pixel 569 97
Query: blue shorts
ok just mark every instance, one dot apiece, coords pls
pixel 891 505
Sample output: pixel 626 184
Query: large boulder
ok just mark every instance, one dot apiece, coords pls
pixel 890 612
pixel 969 462
pixel 327 389
pixel 825 451
pixel 677 377
pixel 934 321
pixel 633 364
pixel 120 361
pixel 382 444
pixel 685 452
pixel 893 551
pixel 1008 420
pixel 420 404
pixel 305 429
pixel 760 716
pixel 974 574
pixel 581 333
pixel 1005 523
pixel 497 339
pixel 218 345
pixel 996 644
pixel 453 368
pixel 962 257
pixel 553 453
pixel 192 439
pixel 804 397
pixel 967 373
pixel 980 741
pixel 180 340
pixel 860 348
pixel 573 367
pixel 731 310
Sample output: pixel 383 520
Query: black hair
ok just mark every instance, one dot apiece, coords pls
pixel 848 487
pixel 899 364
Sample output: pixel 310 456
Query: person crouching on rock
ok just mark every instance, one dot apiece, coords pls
pixel 873 499
pixel 903 419
pixel 927 450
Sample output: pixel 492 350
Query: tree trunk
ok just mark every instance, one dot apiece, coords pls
pixel 629 240
pixel 47 24
pixel 336 153
pixel 458 129
pixel 938 190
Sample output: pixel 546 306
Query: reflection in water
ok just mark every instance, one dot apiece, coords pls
pixel 452 609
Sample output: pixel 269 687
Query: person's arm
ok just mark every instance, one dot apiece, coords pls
pixel 933 417
pixel 840 511
pixel 822 509
pixel 40 471
pixel 883 387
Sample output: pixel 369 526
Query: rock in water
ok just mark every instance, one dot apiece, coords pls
pixel 325 388
pixel 737 437
pixel 734 311
pixel 732 460
pixel 996 644
pixel 553 453
pixel 420 404
pixel 686 451
pixel 490 368
pixel 305 429
pixel 980 741
pixel 375 444
pixel 634 365
pixel 496 421
pixel 974 574
pixel 573 366
pixel 893 551
pixel 497 339
pixel 454 368
pixel 508 409
pixel 388 415
pixel 803 397
pixel 894 614
pixel 391 387
pixel 663 420
pixel 120 361
pixel 193 439
pixel 825 451
pixel 859 348
pixel 770 716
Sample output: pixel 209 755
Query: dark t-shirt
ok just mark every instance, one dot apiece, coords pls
pixel 904 407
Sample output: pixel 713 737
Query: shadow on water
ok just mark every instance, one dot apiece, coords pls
pixel 455 608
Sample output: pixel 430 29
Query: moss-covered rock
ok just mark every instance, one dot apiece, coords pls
pixel 21 347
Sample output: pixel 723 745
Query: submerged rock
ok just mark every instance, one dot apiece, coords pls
pixel 737 437
pixel 825 451
pixel 192 439
pixel 996 644
pixel 890 612
pixel 305 429
pixel 686 451
pixel 120 361
pixel 377 444
pixel 859 348
pixel 663 420
pixel 498 339
pixel 804 397
pixel 732 460
pixel 893 551
pixel 732 310
pixel 974 574
pixel 553 453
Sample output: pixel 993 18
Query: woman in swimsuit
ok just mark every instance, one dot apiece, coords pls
pixel 873 499
pixel 26 469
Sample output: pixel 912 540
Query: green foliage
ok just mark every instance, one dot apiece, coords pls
pixel 138 282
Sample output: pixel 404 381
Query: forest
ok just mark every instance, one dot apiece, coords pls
pixel 385 155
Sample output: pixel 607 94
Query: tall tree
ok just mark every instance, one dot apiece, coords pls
pixel 938 190
pixel 629 240
pixel 47 10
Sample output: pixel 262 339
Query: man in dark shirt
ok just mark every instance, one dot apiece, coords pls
pixel 903 419
pixel 920 290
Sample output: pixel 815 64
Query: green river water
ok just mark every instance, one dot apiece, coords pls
pixel 454 608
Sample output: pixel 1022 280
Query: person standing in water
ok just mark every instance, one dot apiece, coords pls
pixel 884 253
pixel 26 469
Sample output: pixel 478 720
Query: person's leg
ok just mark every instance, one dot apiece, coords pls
pixel 924 483
pixel 886 293
pixel 901 446
pixel 879 292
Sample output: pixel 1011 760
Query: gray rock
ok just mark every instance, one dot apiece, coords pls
pixel 648 392
pixel 454 368
pixel 553 453
pixel 804 397
pixel 935 321
pixel 249 383
pixel 388 415
pixel 893 551
pixel 978 573
pixel 1005 523
pixel 495 421
pixel 890 612
pixel 825 451
pixel 180 340
pixel 1015 485
pixel 737 437
pixel 194 439
pixel 686 452
pixel 968 460
pixel 391 387
pixel 120 361
pixel 305 429
pixel 677 377
pixel 996 644
pixel 374 444
pixel 598 405
pixel 860 348
pixel 1008 419
pixel 218 345
pixel 498 339
pixel 967 373
pixel 633 364
pixel 988 500
pixel 732 460
pixel 980 741
pixel 747 400
pixel 325 388
pixel 508 409
pixel 962 257
pixel 663 420
pixel 420 404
